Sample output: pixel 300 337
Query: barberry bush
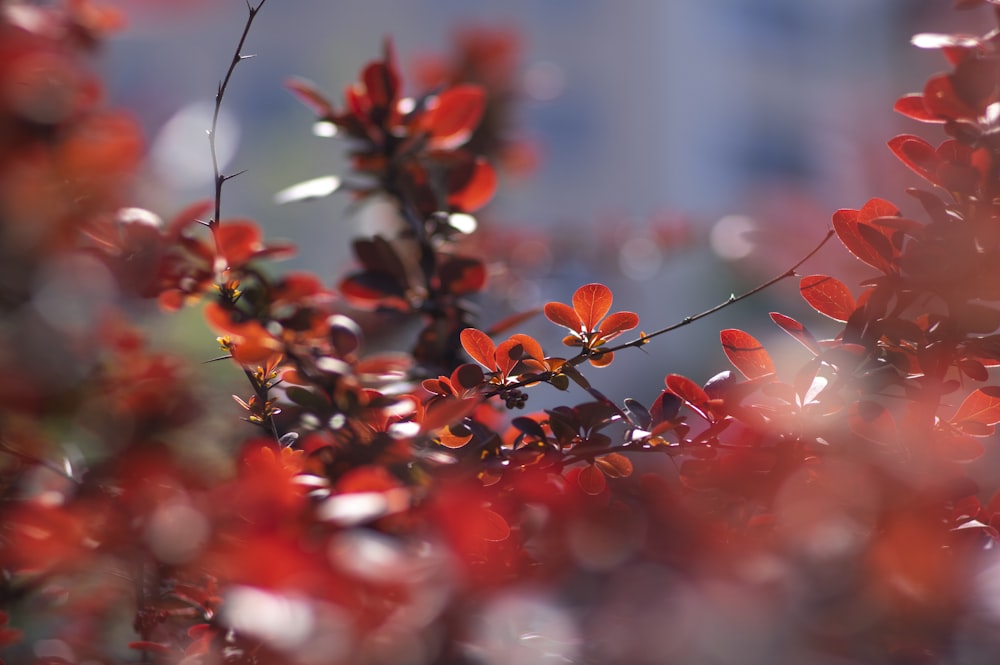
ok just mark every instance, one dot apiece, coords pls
pixel 409 505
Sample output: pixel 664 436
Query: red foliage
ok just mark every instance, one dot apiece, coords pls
pixel 386 501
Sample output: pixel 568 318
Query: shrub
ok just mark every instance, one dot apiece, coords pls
pixel 406 505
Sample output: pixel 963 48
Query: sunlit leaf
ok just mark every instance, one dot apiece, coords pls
pixel 618 323
pixel 614 465
pixel 981 406
pixel 686 389
pixel 796 330
pixel 563 315
pixel 602 360
pixel 746 353
pixel 828 296
pixel 479 345
pixel 592 302
pixel 912 106
pixel 508 353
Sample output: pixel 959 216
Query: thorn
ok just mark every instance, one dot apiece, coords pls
pixel 225 178
pixel 214 360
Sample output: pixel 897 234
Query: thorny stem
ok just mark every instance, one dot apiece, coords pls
pixel 645 337
pixel 219 177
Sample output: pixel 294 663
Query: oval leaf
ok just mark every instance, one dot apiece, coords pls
pixel 592 302
pixel 746 353
pixel 591 480
pixel 981 406
pixel 796 330
pixel 618 323
pixel 828 296
pixel 480 347
pixel 563 315
pixel 455 116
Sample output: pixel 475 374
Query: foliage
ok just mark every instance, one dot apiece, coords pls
pixel 388 504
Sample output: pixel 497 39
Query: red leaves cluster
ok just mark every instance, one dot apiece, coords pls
pixel 383 494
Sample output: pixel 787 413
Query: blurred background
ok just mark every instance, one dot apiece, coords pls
pixel 678 151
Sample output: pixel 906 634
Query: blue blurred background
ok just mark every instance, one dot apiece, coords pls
pixel 687 149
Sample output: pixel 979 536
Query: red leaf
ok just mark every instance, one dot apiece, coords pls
pixel 746 353
pixel 828 296
pixel 847 224
pixel 479 345
pixel 591 480
pixel 912 106
pixel 532 348
pixel 796 330
pixel 381 84
pixel 614 465
pixel 617 323
pixel 461 276
pixel 981 406
pixel 917 154
pixel 563 315
pixel 309 95
pixel 477 190
pixel 592 302
pixel 508 354
pixel 602 360
pixel 446 412
pixel 456 114
pixel 687 390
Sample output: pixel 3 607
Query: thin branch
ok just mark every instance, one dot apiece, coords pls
pixel 220 94
pixel 733 299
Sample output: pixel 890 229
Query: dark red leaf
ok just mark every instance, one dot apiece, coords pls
pixel 476 188
pixel 746 353
pixel 828 296
pixel 796 330
pixel 479 345
pixel 381 84
pixel 614 465
pixel 592 302
pixel 461 275
pixel 444 412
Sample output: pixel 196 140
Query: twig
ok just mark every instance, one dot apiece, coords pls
pixel 219 177
pixel 733 299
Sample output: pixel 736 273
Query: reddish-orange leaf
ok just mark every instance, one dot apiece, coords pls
pixel 591 480
pixel 592 302
pixel 462 275
pixel 563 315
pixel 617 323
pixel 447 412
pixel 454 437
pixel 477 190
pixel 614 465
pixel 508 353
pixel 981 406
pixel 796 330
pixel 746 353
pixel 456 114
pixel 602 360
pixel 828 296
pixel 687 390
pixel 532 348
pixel 479 345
